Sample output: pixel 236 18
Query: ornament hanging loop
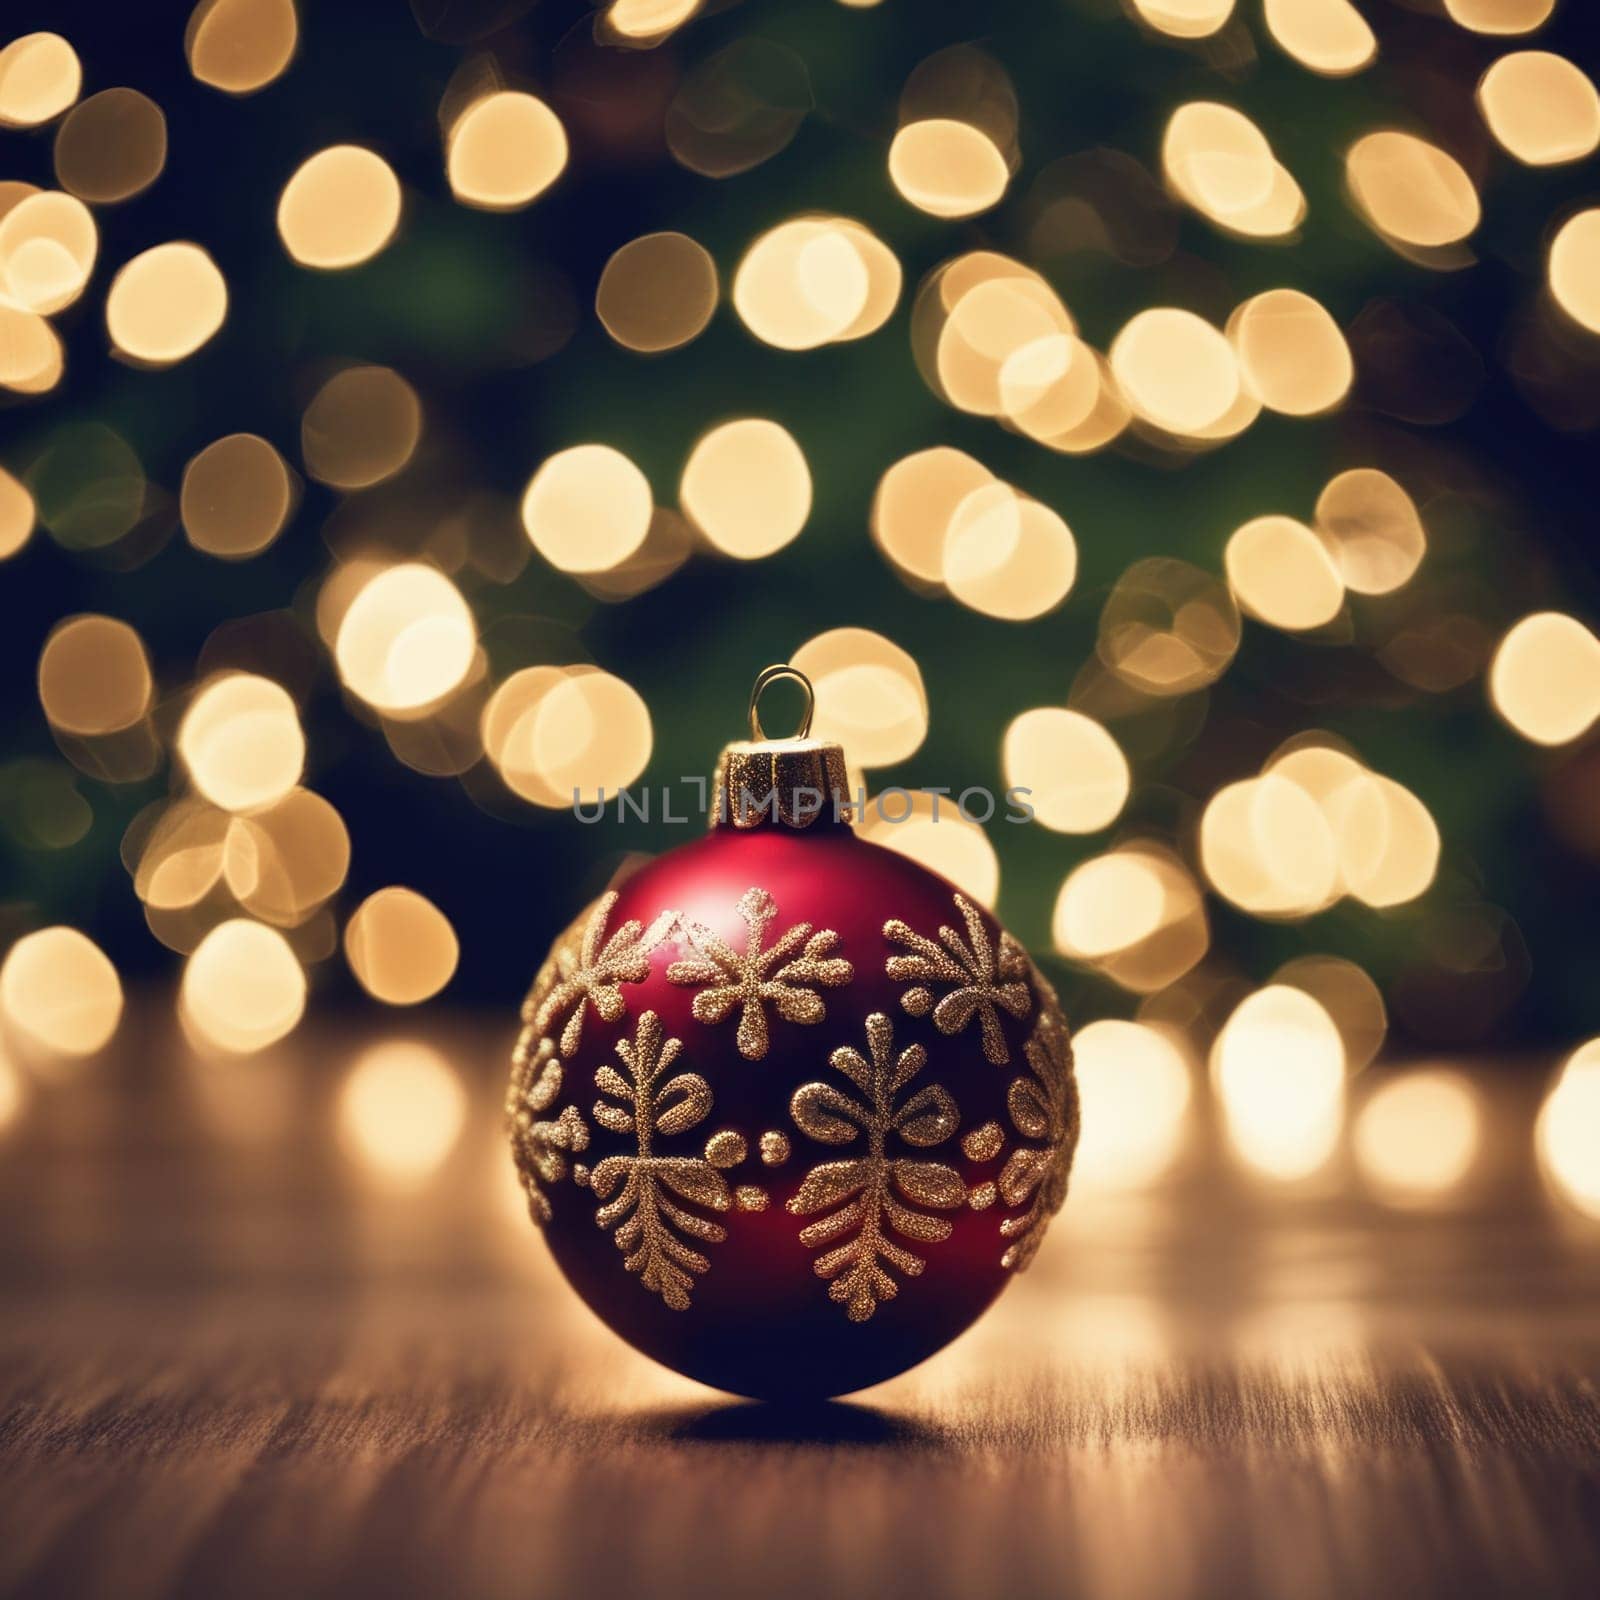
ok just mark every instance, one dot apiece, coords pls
pixel 773 674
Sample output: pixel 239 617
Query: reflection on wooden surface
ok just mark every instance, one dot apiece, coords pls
pixel 277 1326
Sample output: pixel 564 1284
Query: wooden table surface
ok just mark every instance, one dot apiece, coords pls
pixel 236 1360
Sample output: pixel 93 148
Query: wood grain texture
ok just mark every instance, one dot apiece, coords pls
pixel 235 1362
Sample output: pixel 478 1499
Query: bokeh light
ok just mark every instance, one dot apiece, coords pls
pixel 1266 846
pixel 1351 999
pixel 563 736
pixel 915 500
pixel 284 863
pixel 48 244
pixel 401 947
pixel 401 1111
pixel 1372 529
pixel 587 508
pixel 1185 19
pixel 1410 191
pixel 60 993
pixel 241 742
pixel 361 427
pixel 236 496
pixel 814 281
pixel 17 515
pixel 947 168
pixel 1328 36
pixel 1168 628
pixel 340 208
pixel 1135 1089
pixel 931 830
pixel 1279 1071
pixel 1564 1135
pixel 657 292
pixel 111 146
pixel 1574 268
pixel 1176 370
pixel 747 488
pixel 94 676
pixel 1291 352
pixel 869 694
pixel 39 78
pixel 242 989
pixel 166 303
pixel 1418 1136
pixel 503 152
pixel 1133 914
pixel 1541 108
pixel 1500 16
pixel 1545 678
pixel 1077 776
pixel 406 640
pixel 240 46
pixel 1281 573
pixel 737 108
pixel 1007 555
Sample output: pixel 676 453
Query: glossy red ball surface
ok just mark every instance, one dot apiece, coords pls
pixel 794 1222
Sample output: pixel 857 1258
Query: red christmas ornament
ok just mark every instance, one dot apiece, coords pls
pixel 790 1108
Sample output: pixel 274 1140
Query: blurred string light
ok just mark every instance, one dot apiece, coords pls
pixel 1418 1135
pixel 1564 1135
pixel 1184 19
pixel 17 515
pixel 59 993
pixel 503 151
pixel 1279 1072
pixel 236 496
pixel 931 830
pixel 241 742
pixel 361 427
pixel 657 292
pixel 48 244
pixel 401 1110
pixel 815 280
pixel 747 488
pixel 1500 16
pixel 1411 192
pixel 870 696
pixel 1168 628
pixel 1291 352
pixel 1372 530
pixel 915 500
pixel 1541 108
pixel 240 46
pixel 1179 373
pixel 401 947
pixel 956 147
pixel 1545 678
pixel 644 23
pixel 1135 1089
pixel 1218 161
pixel 1135 915
pixel 39 78
pixel 1076 773
pixel 587 508
pixel 1351 999
pixel 242 988
pixel 1328 36
pixel 111 146
pixel 94 676
pixel 1007 555
pixel 1281 573
pixel 284 863
pixel 406 639
pixel 340 208
pixel 1574 268
pixel 165 304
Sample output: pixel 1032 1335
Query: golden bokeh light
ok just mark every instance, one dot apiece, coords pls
pixel 242 988
pixel 166 303
pixel 1215 158
pixel 1328 36
pixel 13 1094
pixel 507 733
pixel 915 499
pixel 1407 857
pixel 17 515
pixel 869 694
pixel 1076 774
pixel 1291 352
pixel 1372 530
pixel 747 488
pixel 591 735
pixel 1282 574
pixel 657 292
pixel 1542 108
pixel 60 993
pixel 48 244
pixel 942 840
pixel 1411 191
pixel 1266 846
pixel 94 676
pixel 1168 628
pixel 1176 370
pixel 39 78
pixel 1500 16
pixel 284 863
pixel 814 281
pixel 1007 555
pixel 1545 678
pixel 1418 1136
pixel 235 497
pixel 31 359
pixel 240 46
pixel 1135 1089
pixel 1185 19
pixel 361 427
pixel 504 151
pixel 1351 999
pixel 401 1111
pixel 1574 268
pixel 177 859
pixel 587 509
pixel 947 168
pixel 646 22
pixel 340 208
pixel 111 146
pixel 1279 1071
pixel 1564 1134
pixel 1133 914
pixel 990 331
pixel 241 742
pixel 401 947
pixel 406 639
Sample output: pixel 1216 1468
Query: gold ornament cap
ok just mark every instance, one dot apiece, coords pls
pixel 799 782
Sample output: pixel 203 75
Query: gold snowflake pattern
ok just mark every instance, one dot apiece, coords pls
pixel 650 1223
pixel 987 978
pixel 787 972
pixel 540 1146
pixel 1043 1107
pixel 592 971
pixel 868 1190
